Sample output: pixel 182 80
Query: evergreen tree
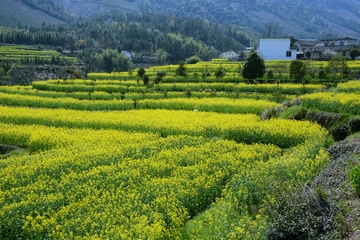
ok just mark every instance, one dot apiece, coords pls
pixel 297 70
pixel 254 67
pixel 181 70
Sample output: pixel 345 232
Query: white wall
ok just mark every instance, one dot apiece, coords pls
pixel 275 49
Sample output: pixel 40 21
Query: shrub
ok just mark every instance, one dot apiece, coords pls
pixel 340 131
pixel 305 214
pixel 270 113
pixel 354 124
pixel 188 92
pixel 145 79
pixel 193 60
pixel 156 80
pixel 270 74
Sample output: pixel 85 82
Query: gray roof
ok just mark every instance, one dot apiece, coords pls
pixel 308 42
pixel 338 39
pixel 335 48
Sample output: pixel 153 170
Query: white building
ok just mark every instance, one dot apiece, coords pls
pixel 277 49
pixel 340 41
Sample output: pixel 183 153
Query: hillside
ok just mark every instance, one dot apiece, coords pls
pixel 13 12
pixel 90 8
pixel 302 18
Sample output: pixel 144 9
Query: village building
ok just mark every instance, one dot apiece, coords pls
pixel 344 50
pixel 340 41
pixel 277 49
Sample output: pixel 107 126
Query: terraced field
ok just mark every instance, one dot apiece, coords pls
pixel 116 159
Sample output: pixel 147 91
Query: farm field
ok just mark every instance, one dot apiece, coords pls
pixel 116 159
pixel 23 53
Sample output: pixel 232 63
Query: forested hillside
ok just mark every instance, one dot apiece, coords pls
pixel 31 13
pixel 169 40
pixel 299 18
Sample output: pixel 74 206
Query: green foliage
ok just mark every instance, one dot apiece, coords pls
pixel 220 72
pixel 306 214
pixel 145 79
pixel 297 70
pixel 181 70
pixel 270 74
pixel 354 124
pixel 156 80
pixel 161 74
pixel 322 73
pixel 254 66
pixel 340 131
pixel 2 72
pixel 188 92
pixel 141 72
pixel 355 176
pixel 354 53
pixel 308 53
pixel 338 64
pixel 193 60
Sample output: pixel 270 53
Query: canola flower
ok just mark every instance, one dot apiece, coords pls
pixel 100 95
pixel 211 105
pixel 241 128
pixel 349 87
pixel 67 103
pixel 120 190
pixel 331 102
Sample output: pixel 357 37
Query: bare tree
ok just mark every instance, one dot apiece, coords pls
pixel 272 29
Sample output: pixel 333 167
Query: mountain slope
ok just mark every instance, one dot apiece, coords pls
pixel 305 18
pixel 90 8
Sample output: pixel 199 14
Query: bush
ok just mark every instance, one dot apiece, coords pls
pixel 145 79
pixel 340 131
pixel 156 80
pixel 306 214
pixel 270 113
pixel 354 124
pixel 193 60
pixel 323 118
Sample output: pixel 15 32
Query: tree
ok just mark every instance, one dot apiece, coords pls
pixel 130 71
pixel 145 79
pixel 297 70
pixel 327 54
pixel 229 55
pixel 308 53
pixel 338 64
pixel 355 52
pixel 311 68
pixel 270 74
pixel 220 72
pixel 322 74
pixel 181 70
pixel 272 30
pixel 161 74
pixel 254 67
pixel 161 56
pixel 141 72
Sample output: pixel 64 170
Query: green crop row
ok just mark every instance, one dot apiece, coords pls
pixel 241 128
pixel 98 95
pixel 331 102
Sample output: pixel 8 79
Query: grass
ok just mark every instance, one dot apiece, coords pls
pixel 290 112
pixel 11 151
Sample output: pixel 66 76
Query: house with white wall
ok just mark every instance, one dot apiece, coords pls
pixel 277 49
pixel 340 41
